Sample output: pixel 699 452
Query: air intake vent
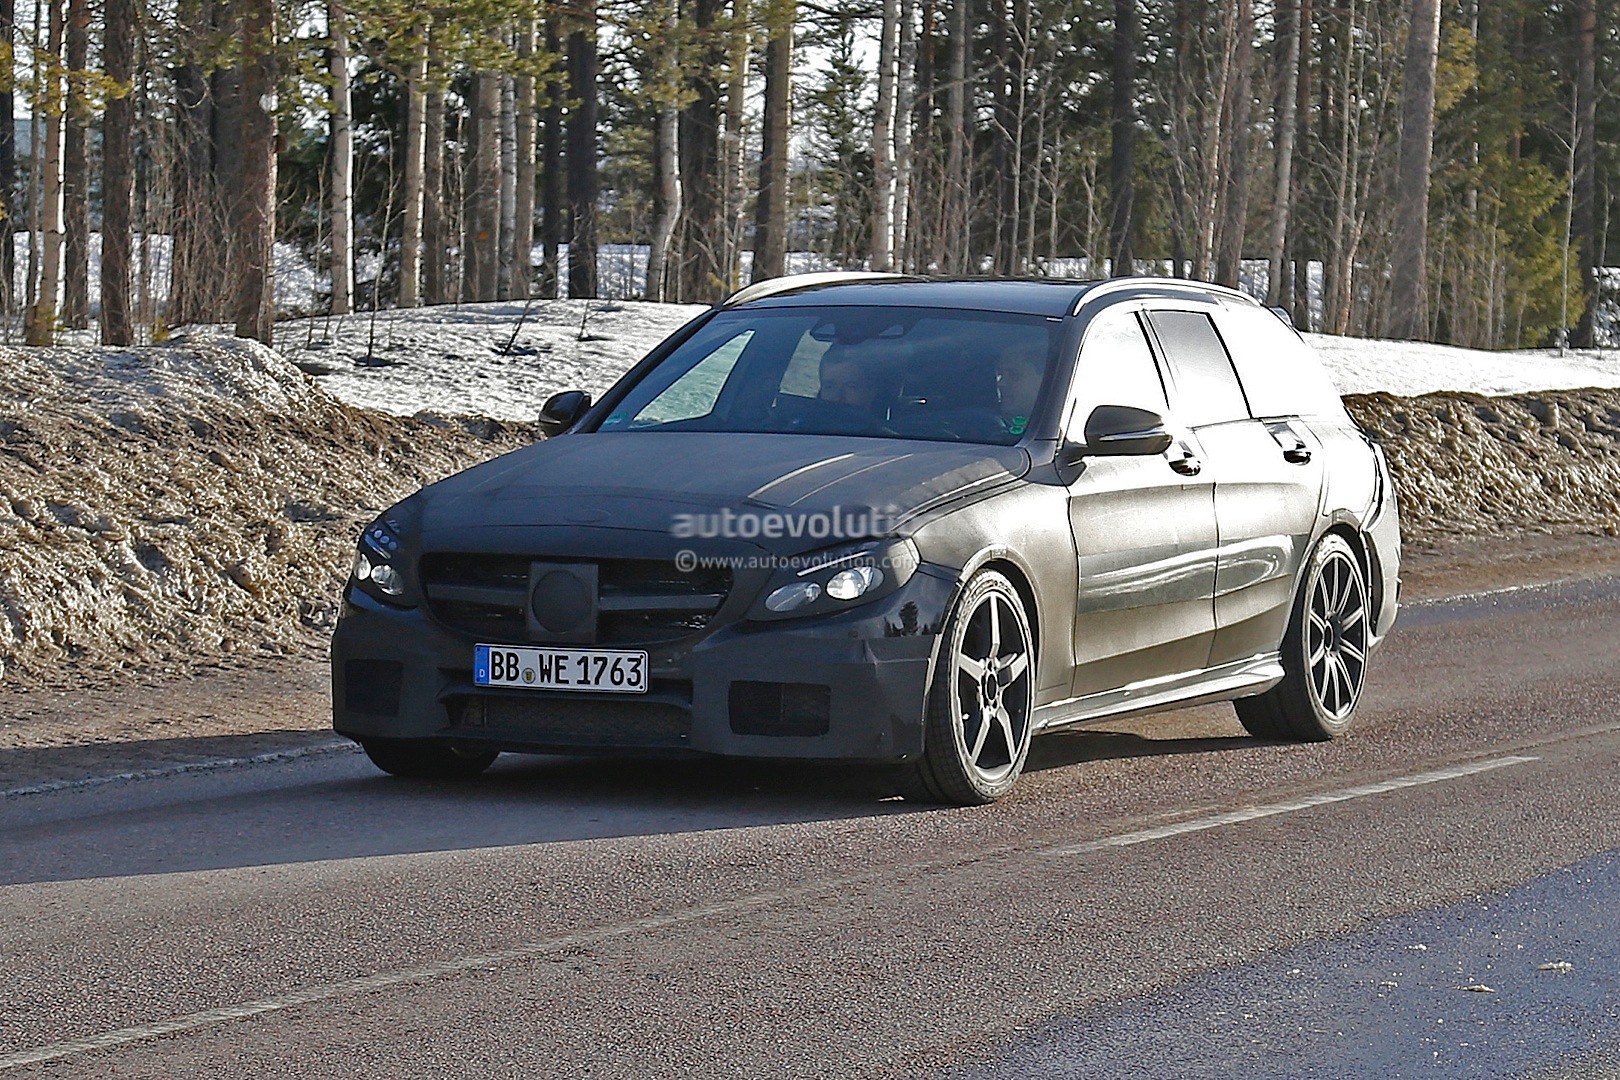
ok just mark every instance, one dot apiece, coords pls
pixel 774 708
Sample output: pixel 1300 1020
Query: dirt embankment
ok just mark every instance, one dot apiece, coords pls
pixel 166 507
pixel 169 507
pixel 1469 465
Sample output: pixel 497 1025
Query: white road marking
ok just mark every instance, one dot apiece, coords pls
pixel 1252 813
pixel 271 757
pixel 483 961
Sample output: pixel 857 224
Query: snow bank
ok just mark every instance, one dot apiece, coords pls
pixel 169 505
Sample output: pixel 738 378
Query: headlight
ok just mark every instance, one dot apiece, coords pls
pixel 375 569
pixel 830 581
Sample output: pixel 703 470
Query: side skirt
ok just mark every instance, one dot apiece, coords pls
pixel 1241 678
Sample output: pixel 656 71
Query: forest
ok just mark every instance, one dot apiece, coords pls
pixel 1411 169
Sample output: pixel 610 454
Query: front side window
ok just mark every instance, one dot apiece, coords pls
pixel 1116 367
pixel 888 372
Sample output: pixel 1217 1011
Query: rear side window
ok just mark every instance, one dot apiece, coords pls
pixel 1207 390
pixel 1280 373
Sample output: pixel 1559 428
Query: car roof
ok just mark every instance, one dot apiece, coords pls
pixel 1052 297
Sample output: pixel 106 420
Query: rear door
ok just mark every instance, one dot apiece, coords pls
pixel 1144 528
pixel 1267 471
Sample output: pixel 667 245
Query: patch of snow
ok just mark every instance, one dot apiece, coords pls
pixel 503 360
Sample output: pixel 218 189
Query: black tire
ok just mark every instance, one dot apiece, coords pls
pixel 978 720
pixel 1324 653
pixel 425 759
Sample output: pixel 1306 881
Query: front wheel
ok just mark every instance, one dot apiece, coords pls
pixel 424 759
pixel 1324 653
pixel 979 708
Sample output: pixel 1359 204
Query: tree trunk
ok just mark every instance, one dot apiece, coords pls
pixel 508 205
pixel 1122 149
pixel 41 328
pixel 523 191
pixel 435 240
pixel 410 233
pixel 734 146
pixel 480 258
pixel 255 216
pixel 1297 237
pixel 956 245
pixel 1408 318
pixel 1583 212
pixel 551 193
pixel 582 175
pixel 1288 31
pixel 1235 193
pixel 76 174
pixel 770 212
pixel 118 173
pixel 700 278
pixel 340 188
pixel 666 157
pixel 883 139
pixel 905 105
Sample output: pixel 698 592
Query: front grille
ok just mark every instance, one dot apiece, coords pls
pixel 639 601
pixel 585 723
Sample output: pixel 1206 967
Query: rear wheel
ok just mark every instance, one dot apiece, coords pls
pixel 979 708
pixel 424 759
pixel 1324 653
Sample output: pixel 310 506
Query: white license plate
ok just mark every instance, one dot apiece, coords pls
pixel 620 671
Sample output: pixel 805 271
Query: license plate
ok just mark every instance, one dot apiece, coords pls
pixel 620 671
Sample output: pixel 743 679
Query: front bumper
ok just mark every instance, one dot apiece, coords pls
pixel 846 686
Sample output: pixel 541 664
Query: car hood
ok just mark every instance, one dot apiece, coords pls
pixel 646 481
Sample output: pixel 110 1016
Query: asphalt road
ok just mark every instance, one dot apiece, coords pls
pixel 1436 895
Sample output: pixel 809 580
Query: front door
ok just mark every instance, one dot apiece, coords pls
pixel 1144 529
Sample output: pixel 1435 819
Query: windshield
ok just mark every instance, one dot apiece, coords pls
pixel 907 373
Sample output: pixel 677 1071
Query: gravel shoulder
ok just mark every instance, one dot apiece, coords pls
pixel 242 708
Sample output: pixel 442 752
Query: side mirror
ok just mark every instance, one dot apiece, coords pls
pixel 561 411
pixel 1124 431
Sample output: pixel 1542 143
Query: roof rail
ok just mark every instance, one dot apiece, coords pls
pixel 775 286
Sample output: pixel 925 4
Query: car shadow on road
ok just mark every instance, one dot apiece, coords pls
pixel 1059 749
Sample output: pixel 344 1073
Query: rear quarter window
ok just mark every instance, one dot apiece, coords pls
pixel 1281 375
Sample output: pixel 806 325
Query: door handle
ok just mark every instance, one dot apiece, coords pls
pixel 1299 455
pixel 1188 464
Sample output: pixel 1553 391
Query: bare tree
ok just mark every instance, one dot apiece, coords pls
pixel 117 172
pixel 1583 206
pixel 1283 127
pixel 76 171
pixel 582 165
pixel 435 243
pixel 551 187
pixel 1234 193
pixel 480 234
pixel 1122 146
pixel 883 177
pixel 41 328
pixel 522 242
pixel 666 153
pixel 254 219
pixel 415 172
pixel 1408 318
pixel 340 186
pixel 770 212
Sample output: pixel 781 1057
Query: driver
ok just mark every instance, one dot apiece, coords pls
pixel 845 380
pixel 1018 383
